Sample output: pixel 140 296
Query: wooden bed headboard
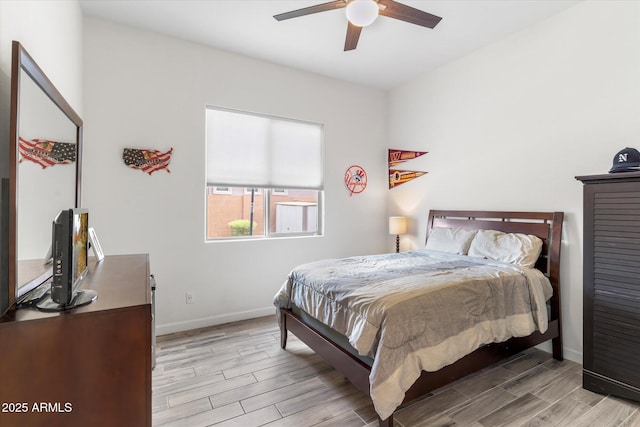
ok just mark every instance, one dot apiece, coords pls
pixel 546 225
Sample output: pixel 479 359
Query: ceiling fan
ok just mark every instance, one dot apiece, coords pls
pixel 361 13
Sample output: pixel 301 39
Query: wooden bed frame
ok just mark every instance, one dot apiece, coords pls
pixel 546 225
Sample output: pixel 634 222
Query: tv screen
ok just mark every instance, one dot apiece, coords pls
pixel 80 234
pixel 69 247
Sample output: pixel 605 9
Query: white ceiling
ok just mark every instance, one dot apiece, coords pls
pixel 389 52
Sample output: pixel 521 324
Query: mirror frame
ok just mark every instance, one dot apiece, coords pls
pixel 22 61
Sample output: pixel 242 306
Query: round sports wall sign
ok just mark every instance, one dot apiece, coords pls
pixel 355 178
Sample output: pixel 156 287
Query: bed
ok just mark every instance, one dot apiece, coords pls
pixel 400 325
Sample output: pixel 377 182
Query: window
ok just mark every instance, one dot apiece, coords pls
pixel 264 176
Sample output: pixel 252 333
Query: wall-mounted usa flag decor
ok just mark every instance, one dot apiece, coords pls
pixel 46 153
pixel 148 161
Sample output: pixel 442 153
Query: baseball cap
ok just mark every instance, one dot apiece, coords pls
pixel 626 160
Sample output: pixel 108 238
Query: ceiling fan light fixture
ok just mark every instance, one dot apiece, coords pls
pixel 362 12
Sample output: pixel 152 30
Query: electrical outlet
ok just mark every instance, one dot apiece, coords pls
pixel 190 298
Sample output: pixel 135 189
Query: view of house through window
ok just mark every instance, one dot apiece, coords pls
pixel 239 211
pixel 264 176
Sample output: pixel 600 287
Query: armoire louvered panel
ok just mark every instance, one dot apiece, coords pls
pixel 616 342
pixel 612 284
pixel 616 256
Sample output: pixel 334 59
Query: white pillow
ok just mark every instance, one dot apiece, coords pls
pixel 452 240
pixel 514 248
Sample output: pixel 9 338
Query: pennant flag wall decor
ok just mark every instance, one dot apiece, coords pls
pixel 148 161
pixel 46 153
pixel 400 156
pixel 397 176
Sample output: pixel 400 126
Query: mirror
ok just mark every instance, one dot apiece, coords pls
pixel 44 170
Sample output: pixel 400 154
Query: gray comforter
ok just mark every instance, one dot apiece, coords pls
pixel 417 310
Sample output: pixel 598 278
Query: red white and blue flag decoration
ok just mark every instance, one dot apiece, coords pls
pixel 147 161
pixel 46 153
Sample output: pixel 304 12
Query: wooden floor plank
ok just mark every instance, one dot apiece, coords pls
pixel 280 394
pixel 346 419
pixel 228 362
pixel 560 386
pixel 533 379
pixel 472 410
pixel 309 399
pixel 311 416
pixel 478 384
pixel 207 418
pixel 183 384
pixel 210 389
pixel 236 394
pixel 608 412
pixel 561 413
pixel 283 369
pixel 515 412
pixel 182 411
pixel 253 419
pixel 633 420
pixel 430 407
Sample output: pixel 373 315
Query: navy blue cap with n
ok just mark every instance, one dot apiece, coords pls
pixel 626 160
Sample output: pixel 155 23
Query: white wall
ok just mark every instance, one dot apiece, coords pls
pixel 149 91
pixel 510 126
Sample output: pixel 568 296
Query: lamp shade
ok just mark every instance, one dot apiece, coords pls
pixel 362 12
pixel 397 225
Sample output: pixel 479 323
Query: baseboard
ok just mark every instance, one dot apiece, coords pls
pixel 567 353
pixel 601 384
pixel 187 325
pixel 574 356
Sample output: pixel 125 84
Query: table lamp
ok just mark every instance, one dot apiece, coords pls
pixel 397 226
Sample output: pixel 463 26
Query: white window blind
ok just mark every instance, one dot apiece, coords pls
pixel 259 151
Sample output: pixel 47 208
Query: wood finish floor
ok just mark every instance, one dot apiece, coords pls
pixel 237 375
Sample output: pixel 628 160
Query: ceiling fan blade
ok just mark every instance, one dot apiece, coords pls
pixel 353 34
pixel 337 4
pixel 400 11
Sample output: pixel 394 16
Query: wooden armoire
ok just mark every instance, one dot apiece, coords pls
pixel 611 280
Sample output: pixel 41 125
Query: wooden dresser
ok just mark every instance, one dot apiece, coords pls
pixel 611 275
pixel 90 366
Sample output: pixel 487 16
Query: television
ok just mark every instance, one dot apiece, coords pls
pixel 69 251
